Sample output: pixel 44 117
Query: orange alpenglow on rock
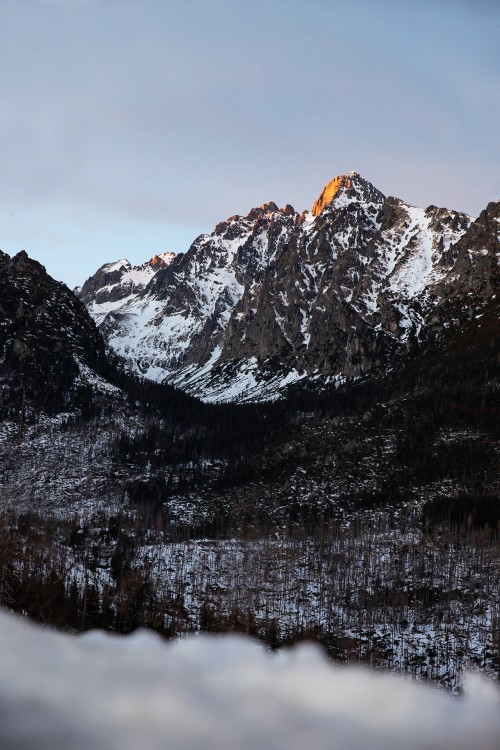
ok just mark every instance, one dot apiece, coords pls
pixel 164 259
pixel 330 191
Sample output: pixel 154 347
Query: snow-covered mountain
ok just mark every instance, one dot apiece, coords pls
pixel 277 297
pixel 126 503
pixel 116 283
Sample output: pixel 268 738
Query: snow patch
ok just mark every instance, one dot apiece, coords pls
pixel 116 266
pixel 235 380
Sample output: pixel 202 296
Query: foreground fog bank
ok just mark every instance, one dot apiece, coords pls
pixel 61 692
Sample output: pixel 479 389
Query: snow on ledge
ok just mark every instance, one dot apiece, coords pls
pixel 62 692
pixel 116 265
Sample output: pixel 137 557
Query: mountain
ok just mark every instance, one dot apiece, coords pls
pixel 67 408
pixel 363 515
pixel 117 283
pixel 277 297
pixel 49 345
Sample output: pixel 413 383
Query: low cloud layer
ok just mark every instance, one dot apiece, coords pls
pixel 61 692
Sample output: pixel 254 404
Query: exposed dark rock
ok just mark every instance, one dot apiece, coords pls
pixel 45 335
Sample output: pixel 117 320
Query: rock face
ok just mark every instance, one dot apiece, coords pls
pixel 48 341
pixel 117 283
pixel 276 297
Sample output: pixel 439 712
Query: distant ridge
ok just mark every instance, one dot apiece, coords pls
pixel 276 297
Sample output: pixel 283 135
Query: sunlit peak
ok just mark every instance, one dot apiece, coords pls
pixel 330 191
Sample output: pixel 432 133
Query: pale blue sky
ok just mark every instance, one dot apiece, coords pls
pixel 129 127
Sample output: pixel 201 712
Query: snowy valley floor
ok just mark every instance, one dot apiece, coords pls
pixel 370 527
pixel 374 590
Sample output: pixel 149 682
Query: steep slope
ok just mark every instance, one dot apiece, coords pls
pixel 49 344
pixel 276 297
pixel 181 317
pixel 66 407
pixel 114 284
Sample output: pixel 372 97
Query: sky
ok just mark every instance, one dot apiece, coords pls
pixel 129 127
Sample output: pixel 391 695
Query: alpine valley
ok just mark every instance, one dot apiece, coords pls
pixel 291 430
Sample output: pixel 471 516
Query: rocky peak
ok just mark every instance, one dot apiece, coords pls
pixel 329 192
pixel 490 218
pixel 119 282
pixel 241 228
pixel 162 260
pixel 46 335
pixel 352 187
pixel 268 209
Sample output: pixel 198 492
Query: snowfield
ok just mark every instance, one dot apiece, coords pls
pixel 103 692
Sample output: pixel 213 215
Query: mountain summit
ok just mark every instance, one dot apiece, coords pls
pixel 330 191
pixel 49 344
pixel 276 297
pixel 114 283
